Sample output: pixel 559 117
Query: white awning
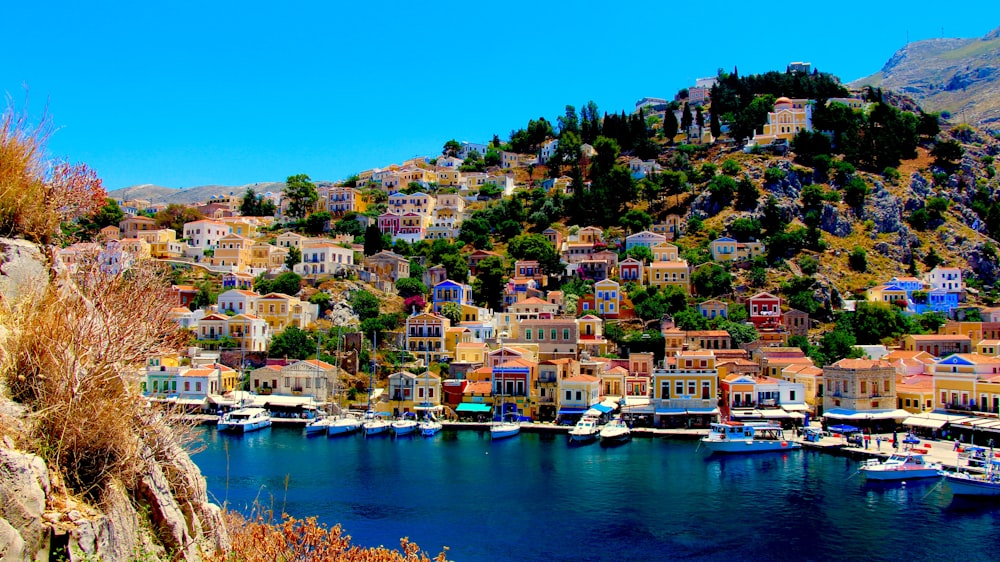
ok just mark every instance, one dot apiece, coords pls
pixel 747 414
pixel 865 415
pixel 776 414
pixel 283 401
pixel 795 407
pixel 917 421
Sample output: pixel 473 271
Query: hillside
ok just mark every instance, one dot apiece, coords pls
pixel 160 194
pixel 960 76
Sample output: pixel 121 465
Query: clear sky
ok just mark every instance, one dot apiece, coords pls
pixel 183 93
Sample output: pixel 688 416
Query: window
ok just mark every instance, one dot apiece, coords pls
pixel 579 395
pixel 692 388
pixel 527 334
pixel 553 334
pixel 569 395
pixel 187 386
pixel 791 395
pixel 706 390
pixel 665 390
pixel 678 388
pixel 566 334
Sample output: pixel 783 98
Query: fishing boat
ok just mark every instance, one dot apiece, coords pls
pixel 429 426
pixel 244 420
pixel 900 466
pixel 375 424
pixel 983 484
pixel 587 429
pixel 747 437
pixel 404 424
pixel 614 432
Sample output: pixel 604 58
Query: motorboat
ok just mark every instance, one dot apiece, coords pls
pixel 244 420
pixel 429 426
pixel 747 437
pixel 318 426
pixel 982 484
pixel 615 431
pixel 508 426
pixel 587 429
pixel 375 424
pixel 900 466
pixel 343 425
pixel 405 424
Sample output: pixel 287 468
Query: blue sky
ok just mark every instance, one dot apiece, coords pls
pixel 193 93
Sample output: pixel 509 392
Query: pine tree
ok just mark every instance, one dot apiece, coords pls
pixel 686 117
pixel 713 122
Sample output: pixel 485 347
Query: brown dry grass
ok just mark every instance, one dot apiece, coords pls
pixel 37 195
pixel 70 352
pixel 261 539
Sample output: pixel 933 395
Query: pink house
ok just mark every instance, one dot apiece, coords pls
pixel 389 223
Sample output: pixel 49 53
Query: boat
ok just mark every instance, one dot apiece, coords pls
pixel 507 426
pixel 375 424
pixel 982 484
pixel 747 437
pixel 429 426
pixel 318 426
pixel 615 431
pixel 900 466
pixel 404 424
pixel 244 420
pixel 587 429
pixel 342 425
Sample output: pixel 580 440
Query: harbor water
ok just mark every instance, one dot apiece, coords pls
pixel 535 497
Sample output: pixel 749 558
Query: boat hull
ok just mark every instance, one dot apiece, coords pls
pixel 404 428
pixel 375 428
pixel 963 485
pixel 430 429
pixel 243 427
pixel 503 431
pixel 740 446
pixel 342 427
pixel 615 438
pixel 583 437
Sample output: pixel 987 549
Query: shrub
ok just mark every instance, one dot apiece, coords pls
pixel 731 167
pixel 809 265
pixel 858 259
pixel 774 175
pixel 37 195
pixel 891 174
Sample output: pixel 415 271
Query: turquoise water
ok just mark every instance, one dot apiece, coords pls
pixel 535 497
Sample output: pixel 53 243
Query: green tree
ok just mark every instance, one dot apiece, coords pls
pixel 108 215
pixel 323 300
pixel 287 283
pixel 364 304
pixel 855 192
pixel 489 284
pixel 451 148
pixel 730 167
pixel 714 125
pixel 744 229
pixel 294 257
pixel 635 221
pixel 739 332
pixel 932 259
pixel 301 194
pixel 316 223
pixel 409 287
pixel 176 216
pixel 947 154
pixel 373 240
pixel 836 345
pixel 293 343
pixel 686 118
pixel 452 311
pixel 712 280
pixel 670 126
pixel 536 247
pixel 747 194
pixel 457 267
pixel 722 189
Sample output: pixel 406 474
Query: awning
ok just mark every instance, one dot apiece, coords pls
pixel 795 407
pixel 473 408
pixel 844 414
pixel 747 414
pixel 776 414
pixel 571 411
pixel 283 401
pixel 670 411
pixel 703 411
pixel 917 421
pixel 601 408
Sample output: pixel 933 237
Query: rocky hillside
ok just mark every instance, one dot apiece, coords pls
pixel 960 76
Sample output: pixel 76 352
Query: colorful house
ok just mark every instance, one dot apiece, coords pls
pixel 685 391
pixel 449 291
pixel 764 310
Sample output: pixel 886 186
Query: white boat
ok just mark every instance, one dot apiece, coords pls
pixel 900 466
pixel 615 431
pixel 747 437
pixel 343 425
pixel 244 420
pixel 405 424
pixel 587 429
pixel 429 426
pixel 984 484
pixel 318 426
pixel 375 424
pixel 507 427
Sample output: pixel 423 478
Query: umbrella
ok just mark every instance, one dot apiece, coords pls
pixel 844 428
pixel 911 440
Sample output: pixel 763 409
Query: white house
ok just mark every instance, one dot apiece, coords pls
pixel 203 235
pixel 322 258
pixel 645 238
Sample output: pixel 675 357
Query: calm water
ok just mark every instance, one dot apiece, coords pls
pixel 535 497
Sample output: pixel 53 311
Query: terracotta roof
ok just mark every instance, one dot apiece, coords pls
pixel 581 378
pixel 938 337
pixel 916 383
pixel 479 387
pixel 858 364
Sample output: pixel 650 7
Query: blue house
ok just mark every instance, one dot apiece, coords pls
pixel 450 291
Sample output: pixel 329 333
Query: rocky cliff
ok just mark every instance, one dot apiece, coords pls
pixel 162 514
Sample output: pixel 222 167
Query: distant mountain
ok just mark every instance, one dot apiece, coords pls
pixel 960 76
pixel 160 194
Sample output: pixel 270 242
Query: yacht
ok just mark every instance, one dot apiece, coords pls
pixel 900 466
pixel 405 424
pixel 343 425
pixel 429 426
pixel 508 426
pixel 374 424
pixel 244 420
pixel 318 426
pixel 615 431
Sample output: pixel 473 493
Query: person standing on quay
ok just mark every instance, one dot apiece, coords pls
pixel 878 442
pixel 868 439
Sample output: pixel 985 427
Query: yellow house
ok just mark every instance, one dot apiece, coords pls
pixel 915 393
pixel 886 293
pixel 455 335
pixel 473 353
pixel 280 311
pixel 163 243
pixel 662 274
pixel 342 200
pixel 972 330
pixel 788 118
pixel 425 335
pixel 967 382
pixel 233 251
pixel 686 390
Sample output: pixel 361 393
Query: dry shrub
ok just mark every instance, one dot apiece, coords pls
pixel 261 539
pixel 37 195
pixel 71 353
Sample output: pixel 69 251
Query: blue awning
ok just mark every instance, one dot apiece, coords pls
pixel 670 411
pixel 571 411
pixel 473 408
pixel 601 408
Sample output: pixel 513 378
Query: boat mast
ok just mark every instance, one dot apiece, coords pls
pixel 371 373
